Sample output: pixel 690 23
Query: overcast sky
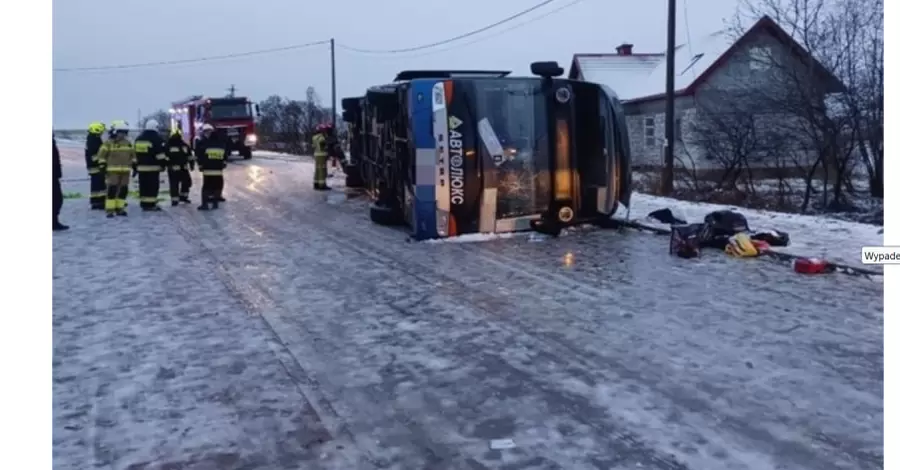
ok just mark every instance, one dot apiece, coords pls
pixel 104 32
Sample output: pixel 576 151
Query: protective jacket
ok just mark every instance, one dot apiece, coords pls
pixel 178 152
pixel 117 157
pixel 320 145
pixel 150 150
pixel 210 153
pixel 91 148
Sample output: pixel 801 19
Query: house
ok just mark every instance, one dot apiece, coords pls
pixel 705 68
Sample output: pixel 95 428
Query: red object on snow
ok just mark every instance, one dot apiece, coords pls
pixel 760 245
pixel 810 265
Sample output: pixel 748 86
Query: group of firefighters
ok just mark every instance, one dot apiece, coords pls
pixel 111 164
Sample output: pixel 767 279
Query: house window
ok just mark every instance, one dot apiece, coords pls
pixel 649 132
pixel 760 58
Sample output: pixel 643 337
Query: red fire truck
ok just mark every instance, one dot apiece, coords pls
pixel 232 116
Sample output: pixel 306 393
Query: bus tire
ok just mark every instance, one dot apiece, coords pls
pixel 385 215
pixel 247 153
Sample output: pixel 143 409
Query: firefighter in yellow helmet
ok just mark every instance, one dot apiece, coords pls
pixel 118 157
pixel 150 149
pixel 321 149
pixel 95 170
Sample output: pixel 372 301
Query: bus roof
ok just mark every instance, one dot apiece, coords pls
pixel 416 74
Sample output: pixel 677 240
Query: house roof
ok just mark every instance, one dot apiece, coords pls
pixel 639 77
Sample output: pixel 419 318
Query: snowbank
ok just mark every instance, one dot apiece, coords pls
pixel 835 240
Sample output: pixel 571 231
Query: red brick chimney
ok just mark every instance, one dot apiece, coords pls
pixel 624 49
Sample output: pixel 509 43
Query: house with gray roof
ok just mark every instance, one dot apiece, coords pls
pixel 713 69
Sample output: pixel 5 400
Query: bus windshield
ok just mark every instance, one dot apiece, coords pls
pixel 512 127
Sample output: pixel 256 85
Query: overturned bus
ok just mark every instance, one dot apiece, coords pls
pixel 456 152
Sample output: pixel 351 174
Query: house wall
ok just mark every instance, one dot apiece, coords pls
pixel 750 81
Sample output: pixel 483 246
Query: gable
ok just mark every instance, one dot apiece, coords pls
pixel 641 77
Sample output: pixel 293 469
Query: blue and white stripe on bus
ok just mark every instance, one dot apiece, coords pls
pixel 424 221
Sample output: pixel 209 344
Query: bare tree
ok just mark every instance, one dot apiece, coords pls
pixel 160 115
pixel 731 130
pixel 829 103
pixel 286 124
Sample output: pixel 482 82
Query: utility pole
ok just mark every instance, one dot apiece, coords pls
pixel 333 89
pixel 668 176
pixel 231 91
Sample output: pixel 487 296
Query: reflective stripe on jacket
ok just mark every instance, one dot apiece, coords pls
pixel 118 156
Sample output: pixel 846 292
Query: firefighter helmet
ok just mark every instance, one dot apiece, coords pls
pixel 151 125
pixel 207 127
pixel 96 127
pixel 119 126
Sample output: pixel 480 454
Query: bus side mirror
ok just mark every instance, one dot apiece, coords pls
pixel 256 108
pixel 347 117
pixel 547 69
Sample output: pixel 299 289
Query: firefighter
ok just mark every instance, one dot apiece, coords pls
pixel 210 152
pixel 320 155
pixel 181 163
pixel 57 190
pixel 151 161
pixel 96 172
pixel 117 156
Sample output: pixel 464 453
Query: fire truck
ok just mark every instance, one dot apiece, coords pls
pixel 233 118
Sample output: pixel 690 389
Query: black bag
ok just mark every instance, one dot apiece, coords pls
pixel 772 237
pixel 726 223
pixel 685 240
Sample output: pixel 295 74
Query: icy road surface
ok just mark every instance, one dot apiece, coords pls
pixel 286 331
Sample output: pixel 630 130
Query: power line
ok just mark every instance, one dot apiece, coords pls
pixel 236 55
pixel 485 37
pixel 194 60
pixel 452 39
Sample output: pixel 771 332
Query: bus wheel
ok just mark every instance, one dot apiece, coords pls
pixel 385 215
pixel 247 153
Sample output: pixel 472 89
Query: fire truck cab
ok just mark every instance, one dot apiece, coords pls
pixel 233 118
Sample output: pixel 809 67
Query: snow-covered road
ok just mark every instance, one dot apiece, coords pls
pixel 287 331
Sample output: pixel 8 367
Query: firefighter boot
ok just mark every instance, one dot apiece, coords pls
pixel 120 203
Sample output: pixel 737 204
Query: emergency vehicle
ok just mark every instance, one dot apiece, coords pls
pixel 233 117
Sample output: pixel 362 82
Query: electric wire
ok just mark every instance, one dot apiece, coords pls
pixel 431 45
pixel 454 38
pixel 477 40
pixel 194 60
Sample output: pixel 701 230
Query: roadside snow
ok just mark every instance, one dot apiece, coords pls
pixel 834 240
pixel 474 238
pixel 277 155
